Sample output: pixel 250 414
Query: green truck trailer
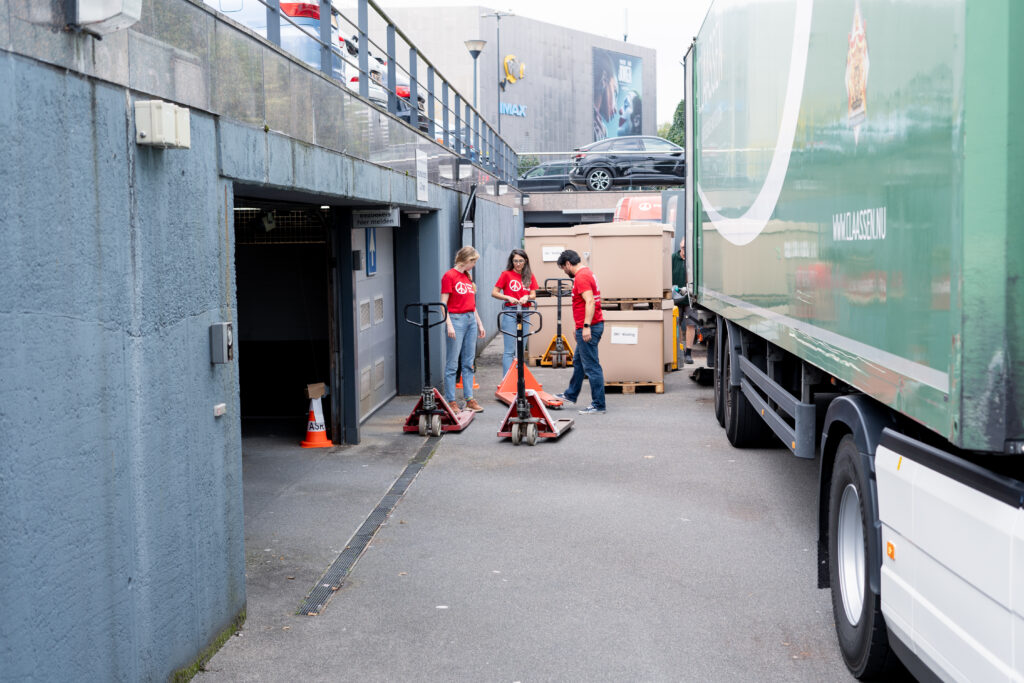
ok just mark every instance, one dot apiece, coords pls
pixel 855 210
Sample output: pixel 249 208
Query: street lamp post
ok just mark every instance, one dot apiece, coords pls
pixel 498 14
pixel 475 47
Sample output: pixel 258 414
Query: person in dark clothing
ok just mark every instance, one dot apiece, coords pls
pixel 679 285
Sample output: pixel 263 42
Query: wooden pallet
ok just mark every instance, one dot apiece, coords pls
pixel 632 387
pixel 651 304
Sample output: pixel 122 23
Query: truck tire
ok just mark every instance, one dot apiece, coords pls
pixel 720 377
pixel 743 426
pixel 856 608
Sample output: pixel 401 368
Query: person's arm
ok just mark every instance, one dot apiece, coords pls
pixel 588 312
pixel 500 296
pixel 448 318
pixel 480 324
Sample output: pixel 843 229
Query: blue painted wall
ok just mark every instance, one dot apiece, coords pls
pixel 120 492
pixel 121 518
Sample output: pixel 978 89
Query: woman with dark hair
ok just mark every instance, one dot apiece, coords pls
pixel 516 285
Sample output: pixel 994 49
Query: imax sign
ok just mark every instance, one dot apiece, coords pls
pixel 513 109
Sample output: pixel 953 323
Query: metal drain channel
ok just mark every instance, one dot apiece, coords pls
pixel 334 577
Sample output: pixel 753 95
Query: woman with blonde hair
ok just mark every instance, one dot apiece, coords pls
pixel 515 286
pixel 458 292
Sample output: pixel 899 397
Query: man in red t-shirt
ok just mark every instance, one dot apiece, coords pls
pixel 586 313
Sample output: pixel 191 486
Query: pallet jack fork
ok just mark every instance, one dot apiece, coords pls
pixel 558 353
pixel 432 414
pixel 527 418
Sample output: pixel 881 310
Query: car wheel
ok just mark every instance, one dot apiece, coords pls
pixel 569 188
pixel 599 180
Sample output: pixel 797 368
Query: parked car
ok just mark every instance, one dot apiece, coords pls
pixel 551 176
pixel 633 160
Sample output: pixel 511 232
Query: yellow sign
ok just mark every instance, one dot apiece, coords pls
pixel 514 70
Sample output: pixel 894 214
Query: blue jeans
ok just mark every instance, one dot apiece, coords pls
pixel 508 325
pixel 586 362
pixel 465 341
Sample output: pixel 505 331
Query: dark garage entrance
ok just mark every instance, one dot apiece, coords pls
pixel 282 268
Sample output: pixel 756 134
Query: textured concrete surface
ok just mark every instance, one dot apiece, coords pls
pixel 640 546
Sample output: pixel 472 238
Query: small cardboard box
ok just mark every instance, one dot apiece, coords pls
pixel 318 390
pixel 632 348
pixel 632 260
pixel 543 245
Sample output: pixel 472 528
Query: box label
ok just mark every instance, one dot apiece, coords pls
pixel 551 253
pixel 625 335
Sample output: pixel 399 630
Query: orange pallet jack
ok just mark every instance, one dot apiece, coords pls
pixel 527 418
pixel 432 413
pixel 559 353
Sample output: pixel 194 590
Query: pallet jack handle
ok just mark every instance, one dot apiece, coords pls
pixel 560 292
pixel 424 323
pixel 522 315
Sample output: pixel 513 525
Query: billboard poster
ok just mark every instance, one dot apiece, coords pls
pixel 618 86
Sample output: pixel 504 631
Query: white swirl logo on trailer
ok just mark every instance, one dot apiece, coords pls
pixel 744 229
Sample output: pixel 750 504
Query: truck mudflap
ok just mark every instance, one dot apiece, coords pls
pixel 952 573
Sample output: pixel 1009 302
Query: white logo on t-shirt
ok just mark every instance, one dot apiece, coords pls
pixel 516 285
pixel 464 287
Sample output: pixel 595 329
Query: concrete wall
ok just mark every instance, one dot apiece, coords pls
pixel 121 514
pixel 558 88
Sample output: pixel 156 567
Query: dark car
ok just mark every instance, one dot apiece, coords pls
pixel 552 176
pixel 629 160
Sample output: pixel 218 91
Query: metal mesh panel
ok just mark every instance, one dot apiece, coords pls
pixel 280 226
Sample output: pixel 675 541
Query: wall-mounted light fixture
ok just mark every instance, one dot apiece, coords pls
pixel 162 124
pixel 100 17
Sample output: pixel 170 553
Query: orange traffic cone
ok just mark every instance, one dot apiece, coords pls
pixel 316 431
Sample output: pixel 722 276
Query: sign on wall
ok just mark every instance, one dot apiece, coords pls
pixel 375 218
pixel 618 104
pixel 371 251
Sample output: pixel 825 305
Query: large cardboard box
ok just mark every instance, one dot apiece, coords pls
pixel 543 245
pixel 632 260
pixel 632 348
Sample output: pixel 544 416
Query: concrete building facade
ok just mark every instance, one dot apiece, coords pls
pixel 552 109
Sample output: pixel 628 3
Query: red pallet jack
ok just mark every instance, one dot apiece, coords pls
pixel 527 418
pixel 432 413
pixel 559 353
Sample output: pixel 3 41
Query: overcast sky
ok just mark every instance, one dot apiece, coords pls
pixel 665 26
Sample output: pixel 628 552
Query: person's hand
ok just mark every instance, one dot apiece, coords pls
pixel 483 332
pixel 524 299
pixel 451 331
pixel 585 334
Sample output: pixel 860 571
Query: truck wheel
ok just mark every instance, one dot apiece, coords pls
pixel 599 180
pixel 435 425
pixel 743 426
pixel 856 609
pixel 531 434
pixel 720 382
pixel 517 435
pixel 422 425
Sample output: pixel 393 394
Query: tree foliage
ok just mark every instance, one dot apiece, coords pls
pixel 677 131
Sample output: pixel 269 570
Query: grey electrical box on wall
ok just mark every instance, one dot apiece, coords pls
pixel 222 343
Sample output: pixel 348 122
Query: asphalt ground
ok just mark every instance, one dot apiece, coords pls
pixel 640 546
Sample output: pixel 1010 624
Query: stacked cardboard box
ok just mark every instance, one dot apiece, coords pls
pixel 633 265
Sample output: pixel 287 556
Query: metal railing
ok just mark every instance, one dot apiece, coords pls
pixel 462 129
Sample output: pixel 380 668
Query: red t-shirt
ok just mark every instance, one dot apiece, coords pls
pixel 511 284
pixel 582 282
pixel 460 290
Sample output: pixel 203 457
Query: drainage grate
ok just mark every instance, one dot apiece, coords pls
pixel 334 577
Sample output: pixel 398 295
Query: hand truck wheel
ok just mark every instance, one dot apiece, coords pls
pixel 435 425
pixel 531 433
pixel 422 425
pixel 517 435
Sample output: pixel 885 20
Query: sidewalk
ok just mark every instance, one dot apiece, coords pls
pixel 629 549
